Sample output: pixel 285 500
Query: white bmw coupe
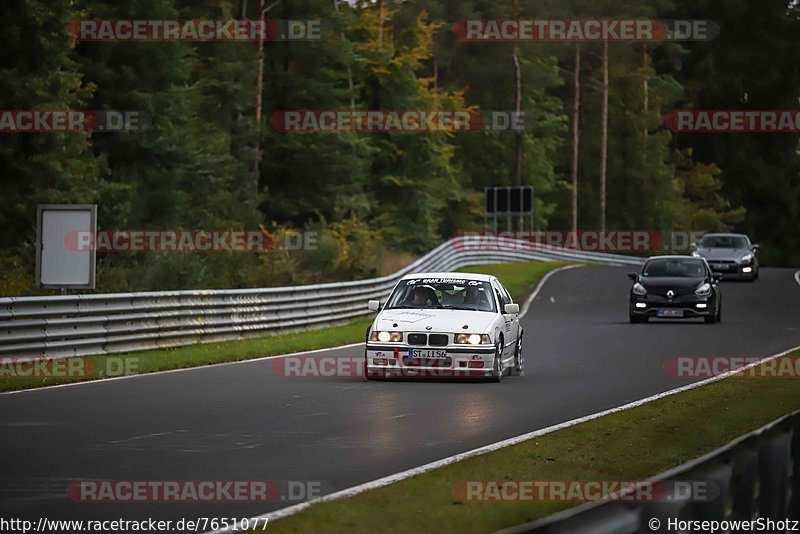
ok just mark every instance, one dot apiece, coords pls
pixel 455 325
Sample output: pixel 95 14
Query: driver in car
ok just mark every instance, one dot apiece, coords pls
pixel 424 296
pixel 473 297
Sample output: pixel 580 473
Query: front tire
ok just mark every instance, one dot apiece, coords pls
pixel 637 318
pixel 519 359
pixel 497 364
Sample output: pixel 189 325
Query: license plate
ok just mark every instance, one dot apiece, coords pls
pixel 669 313
pixel 720 266
pixel 425 353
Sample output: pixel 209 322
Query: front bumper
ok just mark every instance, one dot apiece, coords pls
pixel 686 303
pixel 741 271
pixel 393 360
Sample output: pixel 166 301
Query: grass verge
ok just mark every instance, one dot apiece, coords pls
pixel 631 445
pixel 519 278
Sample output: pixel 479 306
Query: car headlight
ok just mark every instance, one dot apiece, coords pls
pixel 471 339
pixel 704 290
pixel 747 258
pixel 386 337
pixel 638 289
pixel 696 254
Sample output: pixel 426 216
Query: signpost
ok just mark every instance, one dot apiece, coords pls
pixel 57 266
pixel 511 201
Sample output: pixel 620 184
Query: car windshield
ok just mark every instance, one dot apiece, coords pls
pixel 450 293
pixel 677 267
pixel 723 241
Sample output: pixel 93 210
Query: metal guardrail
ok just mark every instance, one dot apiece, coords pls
pixel 71 325
pixel 756 476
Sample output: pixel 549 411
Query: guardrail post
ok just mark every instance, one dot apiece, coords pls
pixel 716 484
pixel 745 479
pixel 773 466
pixel 670 507
pixel 794 500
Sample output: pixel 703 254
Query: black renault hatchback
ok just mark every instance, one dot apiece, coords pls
pixel 675 287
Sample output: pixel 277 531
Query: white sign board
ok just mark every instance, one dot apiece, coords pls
pixel 59 265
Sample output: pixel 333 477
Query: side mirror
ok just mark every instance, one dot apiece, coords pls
pixel 511 308
pixel 374 305
pixel 755 248
pixel 694 246
pixel 633 276
pixel 716 276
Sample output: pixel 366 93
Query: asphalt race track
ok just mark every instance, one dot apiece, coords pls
pixel 242 422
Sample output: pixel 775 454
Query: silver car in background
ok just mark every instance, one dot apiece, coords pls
pixel 731 255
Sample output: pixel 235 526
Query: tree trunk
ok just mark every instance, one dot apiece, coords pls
pixel 519 151
pixel 380 22
pixel 575 112
pixel 259 90
pixel 644 86
pixel 435 72
pixel 604 140
pixel 645 106
pixel 517 109
pixel 347 67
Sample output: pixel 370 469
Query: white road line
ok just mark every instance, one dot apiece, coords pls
pixel 402 475
pixel 540 285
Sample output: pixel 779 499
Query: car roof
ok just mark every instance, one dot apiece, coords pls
pixel 673 257
pixel 724 235
pixel 465 276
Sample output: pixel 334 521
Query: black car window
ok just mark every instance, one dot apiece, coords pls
pixel 723 241
pixel 456 293
pixel 674 267
pixel 695 270
pixel 500 299
pixel 506 296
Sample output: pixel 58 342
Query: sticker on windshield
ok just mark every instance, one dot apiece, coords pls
pixel 456 281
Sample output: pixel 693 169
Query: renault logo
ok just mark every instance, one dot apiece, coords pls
pixel 670 294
